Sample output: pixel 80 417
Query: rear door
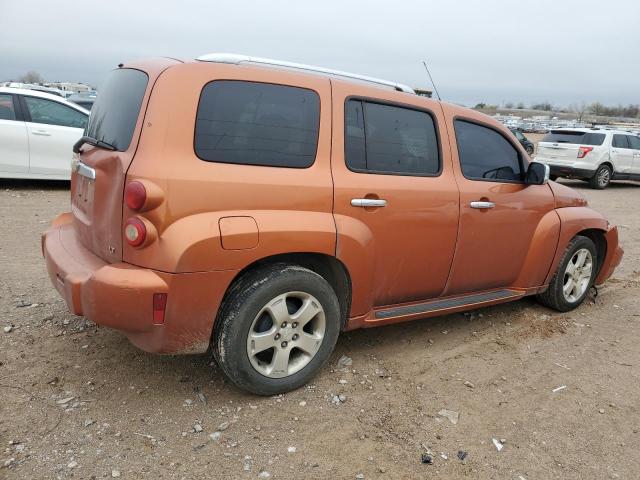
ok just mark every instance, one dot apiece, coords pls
pixel 14 145
pixel 52 128
pixel 396 202
pixel 499 213
pixel 634 143
pixel 621 153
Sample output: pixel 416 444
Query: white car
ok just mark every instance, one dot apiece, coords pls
pixel 37 133
pixel 592 154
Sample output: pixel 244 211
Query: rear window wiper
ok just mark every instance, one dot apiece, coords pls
pixel 94 142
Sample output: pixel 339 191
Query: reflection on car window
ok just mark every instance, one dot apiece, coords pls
pixel 49 112
pixel 6 107
pixel 485 154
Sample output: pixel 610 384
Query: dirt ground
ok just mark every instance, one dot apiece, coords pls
pixel 560 390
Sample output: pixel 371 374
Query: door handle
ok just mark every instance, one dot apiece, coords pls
pixel 368 202
pixel 482 205
pixel 44 133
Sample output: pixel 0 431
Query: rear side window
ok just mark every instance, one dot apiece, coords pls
pixel 389 139
pixel 49 112
pixel 7 111
pixel 257 124
pixel 575 137
pixel 115 112
pixel 619 141
pixel 485 154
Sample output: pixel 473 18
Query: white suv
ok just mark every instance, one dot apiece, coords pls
pixel 596 155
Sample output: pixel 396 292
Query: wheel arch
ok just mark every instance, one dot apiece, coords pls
pixel 579 221
pixel 328 267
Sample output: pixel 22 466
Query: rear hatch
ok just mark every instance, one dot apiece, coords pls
pixel 97 180
pixel 561 146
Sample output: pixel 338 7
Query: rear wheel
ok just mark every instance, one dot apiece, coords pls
pixel 602 178
pixel 575 274
pixel 276 328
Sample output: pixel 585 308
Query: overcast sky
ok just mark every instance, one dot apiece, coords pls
pixel 563 51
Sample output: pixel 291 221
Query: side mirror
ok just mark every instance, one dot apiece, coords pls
pixel 537 174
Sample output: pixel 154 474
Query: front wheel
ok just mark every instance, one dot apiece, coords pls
pixel 576 273
pixel 276 328
pixel 529 149
pixel 602 178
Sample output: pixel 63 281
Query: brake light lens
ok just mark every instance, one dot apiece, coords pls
pixel 159 306
pixel 582 151
pixel 135 232
pixel 135 195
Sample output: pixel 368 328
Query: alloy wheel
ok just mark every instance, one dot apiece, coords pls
pixel 286 334
pixel 577 275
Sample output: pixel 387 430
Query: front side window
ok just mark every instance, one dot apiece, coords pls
pixel 619 141
pixel 486 155
pixel 388 139
pixel 634 142
pixel 49 112
pixel 254 123
pixel 7 111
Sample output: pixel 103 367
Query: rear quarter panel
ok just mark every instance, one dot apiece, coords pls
pixel 292 207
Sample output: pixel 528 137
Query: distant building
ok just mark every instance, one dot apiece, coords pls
pixel 70 87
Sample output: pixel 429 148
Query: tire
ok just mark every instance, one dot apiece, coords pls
pixel 297 351
pixel 555 296
pixel 601 178
pixel 553 178
pixel 529 149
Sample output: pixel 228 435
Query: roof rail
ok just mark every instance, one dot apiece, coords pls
pixel 238 59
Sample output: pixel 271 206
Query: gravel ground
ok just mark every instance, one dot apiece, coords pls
pixel 558 392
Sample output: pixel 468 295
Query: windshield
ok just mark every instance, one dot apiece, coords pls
pixel 568 136
pixel 115 112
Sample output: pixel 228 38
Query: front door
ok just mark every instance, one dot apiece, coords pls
pixel 53 128
pixel 499 214
pixel 14 146
pixel 396 202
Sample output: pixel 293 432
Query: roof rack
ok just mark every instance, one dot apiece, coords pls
pixel 238 59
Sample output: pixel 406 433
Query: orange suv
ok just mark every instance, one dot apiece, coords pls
pixel 261 207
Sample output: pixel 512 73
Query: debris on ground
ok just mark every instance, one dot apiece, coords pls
pixel 498 444
pixel 344 362
pixel 557 389
pixel 264 474
pixel 452 415
pixel 7 329
pixel 426 459
pixel 467 383
pixel 462 454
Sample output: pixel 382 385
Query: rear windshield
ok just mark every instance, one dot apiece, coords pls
pixel 581 138
pixel 115 112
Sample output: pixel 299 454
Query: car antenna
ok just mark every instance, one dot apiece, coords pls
pixel 431 78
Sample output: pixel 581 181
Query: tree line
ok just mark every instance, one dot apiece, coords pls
pixel 581 109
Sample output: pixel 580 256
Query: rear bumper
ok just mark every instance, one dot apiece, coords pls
pixel 612 258
pixel 566 171
pixel 120 295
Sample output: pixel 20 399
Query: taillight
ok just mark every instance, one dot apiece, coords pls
pixel 159 306
pixel 582 151
pixel 135 195
pixel 135 232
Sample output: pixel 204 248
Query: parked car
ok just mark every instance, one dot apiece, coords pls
pixel 85 100
pixel 37 133
pixel 252 206
pixel 595 155
pixel 524 141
